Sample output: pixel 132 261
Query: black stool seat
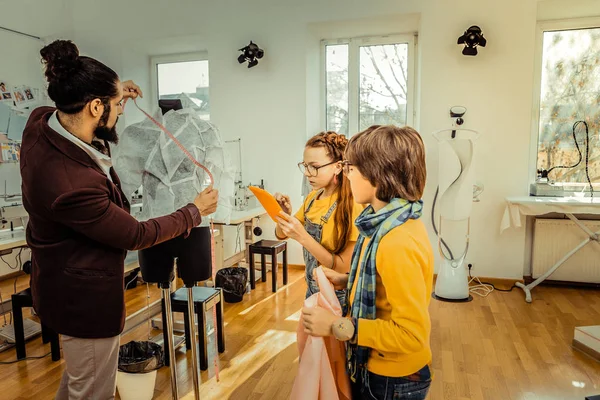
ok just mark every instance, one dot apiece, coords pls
pixel 205 299
pixel 19 301
pixel 272 247
pixel 201 295
pixel 265 246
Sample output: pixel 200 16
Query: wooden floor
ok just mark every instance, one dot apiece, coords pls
pixel 497 347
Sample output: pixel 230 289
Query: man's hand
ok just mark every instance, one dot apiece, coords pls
pixel 206 201
pixel 131 90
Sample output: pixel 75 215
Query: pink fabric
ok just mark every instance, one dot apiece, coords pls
pixel 322 371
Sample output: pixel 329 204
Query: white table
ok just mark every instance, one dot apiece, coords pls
pixel 249 219
pixel 530 205
pixel 10 240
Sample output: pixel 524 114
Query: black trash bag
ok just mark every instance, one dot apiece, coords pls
pixel 140 357
pixel 233 281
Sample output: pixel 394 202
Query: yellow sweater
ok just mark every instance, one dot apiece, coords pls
pixel 319 209
pixel 399 337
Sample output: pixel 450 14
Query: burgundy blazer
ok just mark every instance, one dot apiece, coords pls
pixel 79 232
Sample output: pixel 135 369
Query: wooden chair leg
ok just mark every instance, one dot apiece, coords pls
pixel 202 339
pixel 19 329
pixel 220 324
pixel 263 267
pixel 285 267
pixel 274 269
pixel 188 338
pixel 252 272
pixel 164 326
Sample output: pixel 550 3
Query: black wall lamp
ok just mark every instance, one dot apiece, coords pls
pixel 251 53
pixel 471 39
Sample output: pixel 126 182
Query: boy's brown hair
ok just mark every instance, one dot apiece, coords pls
pixel 392 159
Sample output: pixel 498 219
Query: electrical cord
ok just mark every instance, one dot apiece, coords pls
pixel 481 289
pixel 472 279
pixel 237 239
pixel 26 358
pixel 587 154
pixel 131 281
pixel 6 262
pixel 3 313
pixel 434 225
pixel 19 266
pixel 578 149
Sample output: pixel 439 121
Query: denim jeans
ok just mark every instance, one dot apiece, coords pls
pixel 377 387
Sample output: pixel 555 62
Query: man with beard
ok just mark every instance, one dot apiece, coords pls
pixel 79 226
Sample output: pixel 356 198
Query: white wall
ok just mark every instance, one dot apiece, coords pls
pixel 20 65
pixel 496 88
pixel 277 103
pixel 275 106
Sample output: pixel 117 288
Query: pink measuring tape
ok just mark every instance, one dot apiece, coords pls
pixel 212 236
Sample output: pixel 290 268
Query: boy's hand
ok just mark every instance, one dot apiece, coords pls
pixel 318 321
pixel 338 280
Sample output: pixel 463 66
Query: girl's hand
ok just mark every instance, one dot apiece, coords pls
pixel 285 202
pixel 291 227
pixel 318 321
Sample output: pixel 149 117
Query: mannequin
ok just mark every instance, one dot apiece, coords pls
pixel 456 179
pixel 147 156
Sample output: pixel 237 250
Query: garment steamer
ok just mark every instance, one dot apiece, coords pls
pixel 166 293
pixel 455 193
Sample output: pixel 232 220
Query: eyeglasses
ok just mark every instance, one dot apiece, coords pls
pixel 311 170
pixel 346 166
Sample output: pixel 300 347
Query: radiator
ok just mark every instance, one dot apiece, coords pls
pixel 553 239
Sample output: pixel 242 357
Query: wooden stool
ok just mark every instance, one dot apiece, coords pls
pixel 19 301
pixel 272 247
pixel 205 299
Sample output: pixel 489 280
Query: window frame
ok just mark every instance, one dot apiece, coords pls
pixel 541 28
pixel 173 59
pixel 354 45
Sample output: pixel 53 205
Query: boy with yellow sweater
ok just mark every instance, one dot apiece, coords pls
pixel 388 325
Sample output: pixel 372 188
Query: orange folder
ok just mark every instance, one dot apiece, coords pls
pixel 268 202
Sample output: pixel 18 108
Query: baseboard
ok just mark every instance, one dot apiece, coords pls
pixel 499 283
pixel 548 282
pixel 280 265
pixel 12 275
pixel 586 350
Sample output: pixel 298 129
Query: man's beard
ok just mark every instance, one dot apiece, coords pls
pixel 103 132
pixel 106 133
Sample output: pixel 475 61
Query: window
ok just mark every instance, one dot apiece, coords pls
pixel 368 81
pixel 568 92
pixel 183 75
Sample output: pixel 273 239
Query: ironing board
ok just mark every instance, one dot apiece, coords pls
pixel 569 206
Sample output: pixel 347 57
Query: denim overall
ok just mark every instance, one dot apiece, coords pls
pixel 316 232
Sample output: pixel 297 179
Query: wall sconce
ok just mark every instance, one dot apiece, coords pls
pixel 251 53
pixel 472 38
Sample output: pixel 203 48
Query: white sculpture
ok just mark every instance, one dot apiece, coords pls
pixel 455 197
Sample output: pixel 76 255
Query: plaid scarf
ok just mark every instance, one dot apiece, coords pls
pixel 374 225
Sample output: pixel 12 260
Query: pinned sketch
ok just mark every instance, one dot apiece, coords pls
pixel 23 96
pixel 10 150
pixel 5 93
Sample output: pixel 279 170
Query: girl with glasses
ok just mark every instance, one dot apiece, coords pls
pixel 324 225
